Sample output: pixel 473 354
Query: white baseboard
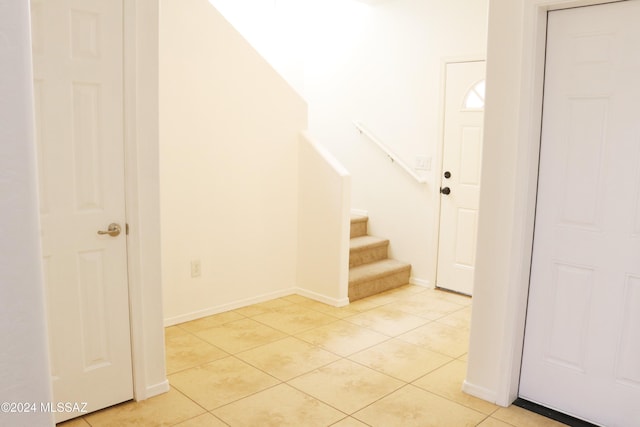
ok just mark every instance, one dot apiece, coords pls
pixel 421 282
pixel 154 390
pixel 336 302
pixel 479 392
pixel 360 212
pixel 170 321
pixel 323 298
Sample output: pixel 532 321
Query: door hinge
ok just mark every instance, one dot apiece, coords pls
pixel 126 229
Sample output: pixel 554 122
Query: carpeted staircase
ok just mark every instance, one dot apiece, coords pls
pixel 370 271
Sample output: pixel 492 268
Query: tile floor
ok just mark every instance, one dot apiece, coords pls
pixel 394 359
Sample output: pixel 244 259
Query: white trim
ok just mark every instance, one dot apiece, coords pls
pixel 479 392
pixel 421 282
pixel 156 389
pixel 326 155
pixel 170 321
pixel 142 197
pixel 568 4
pixel 255 300
pixel 360 212
pixel 336 302
pixel 131 196
pixel 343 291
pixel 532 85
pixel 472 57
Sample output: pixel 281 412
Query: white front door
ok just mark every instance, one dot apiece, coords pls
pixel 582 339
pixel 460 181
pixel 78 85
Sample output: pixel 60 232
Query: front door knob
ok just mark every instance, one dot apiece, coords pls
pixel 113 230
pixel 445 190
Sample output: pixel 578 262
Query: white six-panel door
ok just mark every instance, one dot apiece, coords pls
pixel 582 341
pixel 461 161
pixel 78 82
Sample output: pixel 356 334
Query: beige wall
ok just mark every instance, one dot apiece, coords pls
pixel 380 63
pixel 275 29
pixel 386 72
pixel 229 132
pixel 323 225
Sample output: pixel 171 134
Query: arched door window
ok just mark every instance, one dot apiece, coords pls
pixel 474 100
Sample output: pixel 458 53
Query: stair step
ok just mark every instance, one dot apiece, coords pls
pixel 376 270
pixel 376 277
pixel 367 249
pixel 358 225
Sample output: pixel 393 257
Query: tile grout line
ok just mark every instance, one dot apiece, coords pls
pixel 294 335
pixel 339 357
pixel 446 397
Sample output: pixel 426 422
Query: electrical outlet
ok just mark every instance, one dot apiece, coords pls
pixel 196 270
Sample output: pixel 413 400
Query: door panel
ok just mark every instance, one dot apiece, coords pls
pixel 628 352
pixel 470 152
pixel 587 121
pixel 582 339
pixel 569 315
pixel 78 82
pixel 462 156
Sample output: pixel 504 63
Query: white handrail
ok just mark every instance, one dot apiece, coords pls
pixel 394 158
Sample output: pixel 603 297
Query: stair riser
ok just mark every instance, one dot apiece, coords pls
pixel 375 286
pixel 367 255
pixel 358 229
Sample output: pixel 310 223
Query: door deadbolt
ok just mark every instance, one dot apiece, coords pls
pixel 447 174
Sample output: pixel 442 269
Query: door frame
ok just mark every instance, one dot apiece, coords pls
pixel 500 312
pixel 142 201
pixel 142 196
pixel 439 155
